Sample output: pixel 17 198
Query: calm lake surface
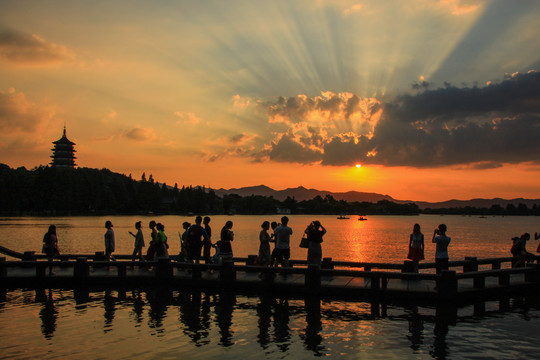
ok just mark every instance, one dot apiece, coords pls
pixel 152 324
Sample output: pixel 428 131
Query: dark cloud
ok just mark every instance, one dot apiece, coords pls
pixel 345 150
pixel 486 165
pixel 287 149
pixel 475 127
pixel 516 94
pixel 496 123
pixel 499 123
pixel 25 49
pixel 238 138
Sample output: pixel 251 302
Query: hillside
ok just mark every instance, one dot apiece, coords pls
pixel 301 194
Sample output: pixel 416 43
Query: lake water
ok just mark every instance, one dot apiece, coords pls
pixel 157 324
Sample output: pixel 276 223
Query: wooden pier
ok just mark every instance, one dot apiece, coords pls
pixel 467 281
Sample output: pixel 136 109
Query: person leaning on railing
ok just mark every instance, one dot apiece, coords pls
pixel 519 250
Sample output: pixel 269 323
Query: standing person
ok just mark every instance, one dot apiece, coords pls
pixel 315 232
pixel 109 241
pixel 161 242
pixel 194 241
pixel 273 256
pixel 139 243
pixel 207 243
pixel 50 246
pixel 416 245
pixel 183 242
pixel 283 238
pixel 441 251
pixel 151 251
pixel 227 236
pixel 264 246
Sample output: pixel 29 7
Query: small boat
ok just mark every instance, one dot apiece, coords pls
pixel 361 218
pixel 342 217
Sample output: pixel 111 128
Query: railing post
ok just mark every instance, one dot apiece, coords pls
pixel 227 274
pixel 327 263
pixel 375 282
pixel 196 273
pixel 496 265
pixel 367 268
pixel 471 264
pixel 268 276
pixel 409 266
pixel 504 279
pixel 29 255
pixel 122 269
pixel 41 268
pixel 479 308
pixel 312 281
pixel 534 275
pixel 3 267
pixel 99 256
pixel 479 282
pixel 251 259
pixel 81 269
pixel 447 285
pixel 164 267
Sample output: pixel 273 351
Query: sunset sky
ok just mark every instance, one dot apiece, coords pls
pixel 435 100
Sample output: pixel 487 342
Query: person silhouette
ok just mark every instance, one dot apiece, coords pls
pixel 139 242
pixel 109 241
pixel 416 245
pixel 441 250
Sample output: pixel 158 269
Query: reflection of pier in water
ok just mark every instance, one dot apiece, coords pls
pixel 201 313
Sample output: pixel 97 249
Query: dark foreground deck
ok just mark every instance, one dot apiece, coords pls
pixel 467 281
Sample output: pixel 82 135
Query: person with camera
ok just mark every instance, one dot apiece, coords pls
pixel 441 250
pixel 314 233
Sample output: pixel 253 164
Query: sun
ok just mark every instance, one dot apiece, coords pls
pixel 358 166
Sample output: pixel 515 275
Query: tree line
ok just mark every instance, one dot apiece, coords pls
pixel 49 190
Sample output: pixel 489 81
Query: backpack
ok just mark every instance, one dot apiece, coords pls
pixel 194 236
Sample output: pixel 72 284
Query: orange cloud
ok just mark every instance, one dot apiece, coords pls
pixel 187 118
pixel 18 113
pixel 460 7
pixel 241 102
pixel 140 134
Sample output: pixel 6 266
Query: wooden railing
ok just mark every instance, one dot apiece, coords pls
pixel 448 285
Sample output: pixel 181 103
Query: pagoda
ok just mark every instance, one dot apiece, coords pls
pixel 63 152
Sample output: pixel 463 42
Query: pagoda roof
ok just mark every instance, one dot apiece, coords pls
pixel 64 139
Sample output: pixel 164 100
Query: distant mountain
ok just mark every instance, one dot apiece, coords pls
pixel 301 193
pixel 478 203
